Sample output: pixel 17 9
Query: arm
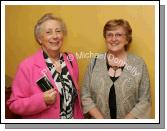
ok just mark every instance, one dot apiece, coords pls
pixel 130 116
pixel 94 112
pixel 142 108
pixel 87 101
pixel 22 101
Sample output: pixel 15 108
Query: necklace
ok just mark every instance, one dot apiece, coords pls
pixel 114 67
pixel 115 72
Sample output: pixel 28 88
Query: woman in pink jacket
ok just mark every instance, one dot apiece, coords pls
pixel 45 85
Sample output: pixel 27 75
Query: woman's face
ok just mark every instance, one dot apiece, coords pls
pixel 51 35
pixel 116 40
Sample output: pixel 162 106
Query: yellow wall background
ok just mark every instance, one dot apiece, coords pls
pixel 85 26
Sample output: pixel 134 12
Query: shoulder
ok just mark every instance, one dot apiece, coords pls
pixel 30 60
pixel 97 61
pixel 69 55
pixel 135 60
pixel 98 58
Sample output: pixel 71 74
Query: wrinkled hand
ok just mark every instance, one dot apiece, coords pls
pixel 50 96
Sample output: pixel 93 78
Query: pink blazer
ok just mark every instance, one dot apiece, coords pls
pixel 27 98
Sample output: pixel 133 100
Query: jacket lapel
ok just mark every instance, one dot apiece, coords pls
pixel 70 69
pixel 43 70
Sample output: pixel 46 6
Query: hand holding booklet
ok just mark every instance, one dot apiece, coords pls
pixel 44 84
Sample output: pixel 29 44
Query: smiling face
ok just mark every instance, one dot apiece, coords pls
pixel 51 36
pixel 116 40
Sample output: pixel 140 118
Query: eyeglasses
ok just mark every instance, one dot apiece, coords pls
pixel 117 35
pixel 57 31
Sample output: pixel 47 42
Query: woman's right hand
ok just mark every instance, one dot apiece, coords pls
pixel 96 113
pixel 50 96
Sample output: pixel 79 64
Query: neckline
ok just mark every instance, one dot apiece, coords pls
pixel 120 61
pixel 117 67
pixel 123 71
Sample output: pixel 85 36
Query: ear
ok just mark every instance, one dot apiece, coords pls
pixel 39 39
pixel 126 42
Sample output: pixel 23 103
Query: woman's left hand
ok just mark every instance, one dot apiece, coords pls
pixel 129 116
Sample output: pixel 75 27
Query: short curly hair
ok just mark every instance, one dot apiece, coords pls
pixel 45 17
pixel 114 23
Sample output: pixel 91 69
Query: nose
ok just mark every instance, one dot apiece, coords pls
pixel 55 35
pixel 113 38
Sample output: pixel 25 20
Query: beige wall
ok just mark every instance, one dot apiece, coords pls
pixel 85 25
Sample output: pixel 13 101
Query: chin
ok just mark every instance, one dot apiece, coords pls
pixel 113 50
pixel 54 49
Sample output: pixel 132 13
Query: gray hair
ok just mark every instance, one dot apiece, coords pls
pixel 44 18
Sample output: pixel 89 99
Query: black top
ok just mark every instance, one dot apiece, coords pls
pixel 112 95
